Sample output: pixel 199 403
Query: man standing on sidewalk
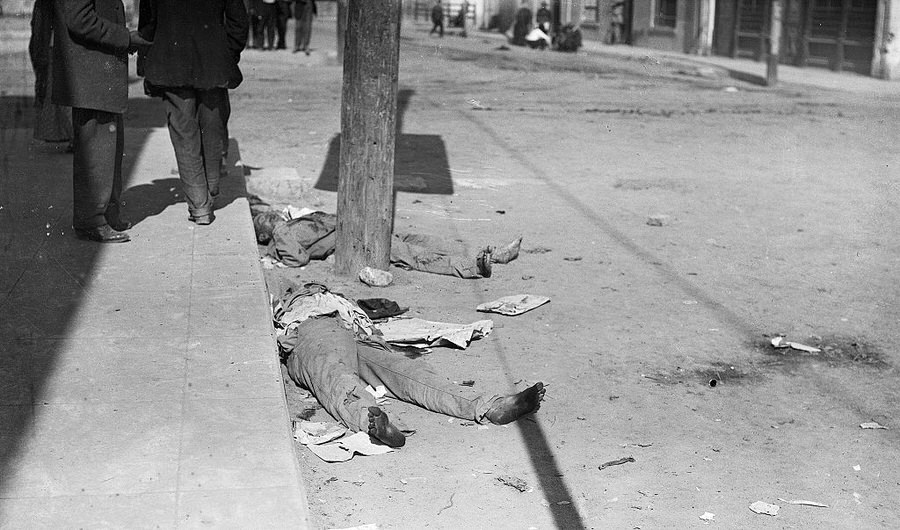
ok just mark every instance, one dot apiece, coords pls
pixel 90 74
pixel 192 76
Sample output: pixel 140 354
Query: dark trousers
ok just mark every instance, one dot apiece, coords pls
pixel 283 14
pixel 198 121
pixel 99 143
pixel 303 12
pixel 269 14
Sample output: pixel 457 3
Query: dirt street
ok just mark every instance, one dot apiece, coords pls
pixel 778 212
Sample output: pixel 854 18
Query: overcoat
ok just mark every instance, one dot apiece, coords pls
pixel 196 43
pixel 90 55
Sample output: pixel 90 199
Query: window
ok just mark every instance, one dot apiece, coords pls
pixel 591 10
pixel 666 13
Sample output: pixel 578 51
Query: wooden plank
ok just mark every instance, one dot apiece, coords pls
pixel 368 135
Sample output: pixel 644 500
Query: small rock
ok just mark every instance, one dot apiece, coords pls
pixel 375 277
pixel 658 220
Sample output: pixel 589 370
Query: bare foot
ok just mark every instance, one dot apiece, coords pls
pixel 381 428
pixel 483 262
pixel 510 408
pixel 504 255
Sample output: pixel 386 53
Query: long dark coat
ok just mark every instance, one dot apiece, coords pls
pixel 196 43
pixel 90 55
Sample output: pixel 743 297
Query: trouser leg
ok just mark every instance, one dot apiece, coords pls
pixel 413 381
pixel 98 139
pixel 212 114
pixel 307 30
pixel 184 130
pixel 324 360
pixel 410 251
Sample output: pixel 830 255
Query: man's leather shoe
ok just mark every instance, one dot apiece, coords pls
pixel 102 234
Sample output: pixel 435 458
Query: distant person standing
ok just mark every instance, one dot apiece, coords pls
pixel 437 18
pixel 464 18
pixel 283 14
pixel 304 12
pixel 616 23
pixel 52 123
pixel 544 18
pixel 193 76
pixel 268 16
pixel 90 74
pixel 522 25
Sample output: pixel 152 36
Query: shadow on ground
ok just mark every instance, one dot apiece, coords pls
pixel 421 164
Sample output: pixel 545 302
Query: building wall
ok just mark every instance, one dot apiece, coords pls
pixel 645 33
pixel 886 62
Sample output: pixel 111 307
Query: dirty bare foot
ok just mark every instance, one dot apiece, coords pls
pixel 483 262
pixel 383 430
pixel 510 408
pixel 504 255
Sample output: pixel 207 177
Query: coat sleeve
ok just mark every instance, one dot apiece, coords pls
pixel 85 25
pixel 237 26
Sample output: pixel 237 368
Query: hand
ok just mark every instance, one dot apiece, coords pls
pixel 136 42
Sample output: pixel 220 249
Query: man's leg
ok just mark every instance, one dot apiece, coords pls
pixel 184 130
pixel 96 165
pixel 423 253
pixel 324 361
pixel 415 382
pixel 212 113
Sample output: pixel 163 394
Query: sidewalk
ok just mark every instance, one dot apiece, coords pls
pixel 140 383
pixel 740 69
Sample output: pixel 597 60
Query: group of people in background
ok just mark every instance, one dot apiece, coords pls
pixel 269 19
pixel 462 19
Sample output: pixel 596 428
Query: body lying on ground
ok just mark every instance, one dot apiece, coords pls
pixel 331 363
pixel 312 236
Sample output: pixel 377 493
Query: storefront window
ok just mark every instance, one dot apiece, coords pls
pixel 592 10
pixel 666 13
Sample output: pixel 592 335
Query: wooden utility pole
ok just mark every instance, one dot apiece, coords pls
pixel 365 204
pixel 341 28
pixel 774 43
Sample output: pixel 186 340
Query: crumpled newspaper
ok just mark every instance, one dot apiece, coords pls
pixel 345 448
pixel 420 333
pixel 513 305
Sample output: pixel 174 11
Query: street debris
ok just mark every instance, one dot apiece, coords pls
pixel 370 526
pixel 513 482
pixel 572 258
pixel 378 393
pixel 857 467
pixel 317 433
pixel 375 277
pixel 658 220
pixel 513 305
pixel 764 508
pixel 419 333
pixel 707 516
pixel 780 342
pixel 620 461
pixel 345 448
pixel 801 502
pixel 872 425
pixel 378 308
pixel 537 250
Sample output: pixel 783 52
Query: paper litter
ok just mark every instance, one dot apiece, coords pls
pixel 513 305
